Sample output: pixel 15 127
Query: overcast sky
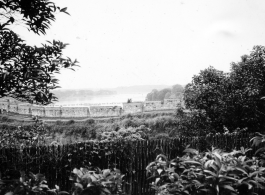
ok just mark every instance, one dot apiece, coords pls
pixel 143 42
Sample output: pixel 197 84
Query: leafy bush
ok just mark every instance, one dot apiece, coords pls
pixel 162 136
pixel 96 181
pixel 90 121
pixel 36 134
pixel 258 141
pixel 213 172
pixel 59 122
pixel 19 183
pixel 6 119
pixel 92 181
pixel 126 134
pixel 70 122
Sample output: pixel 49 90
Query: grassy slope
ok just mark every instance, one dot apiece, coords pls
pixel 68 131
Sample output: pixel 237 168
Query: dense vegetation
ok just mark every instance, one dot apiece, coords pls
pixel 213 172
pixel 151 125
pixel 161 125
pixel 234 99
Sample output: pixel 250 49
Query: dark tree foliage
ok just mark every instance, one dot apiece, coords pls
pixel 232 99
pixel 248 79
pixel 28 73
pixel 208 93
pixel 37 15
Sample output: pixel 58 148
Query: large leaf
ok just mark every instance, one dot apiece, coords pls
pixel 210 172
pixel 191 150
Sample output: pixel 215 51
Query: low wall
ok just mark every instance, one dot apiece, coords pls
pixel 53 112
pixel 97 111
pixel 38 111
pixel 89 111
pixel 75 112
pixel 133 107
pixel 171 103
pixel 4 105
pixel 24 109
pixel 13 108
pixel 152 105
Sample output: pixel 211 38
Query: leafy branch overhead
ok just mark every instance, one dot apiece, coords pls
pixel 37 15
pixel 27 73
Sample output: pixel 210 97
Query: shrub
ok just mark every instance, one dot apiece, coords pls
pixel 58 122
pixel 126 134
pixel 19 183
pixel 90 121
pixel 213 173
pixel 258 142
pixel 70 122
pixel 31 135
pixel 96 181
pixel 6 119
pixel 162 136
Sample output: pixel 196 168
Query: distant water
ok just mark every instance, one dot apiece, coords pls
pixel 102 100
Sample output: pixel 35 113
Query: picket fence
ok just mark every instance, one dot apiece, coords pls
pixel 57 162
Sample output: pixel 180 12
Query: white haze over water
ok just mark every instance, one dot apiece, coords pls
pixel 101 100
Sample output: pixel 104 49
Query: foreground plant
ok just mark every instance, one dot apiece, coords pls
pixel 96 181
pixel 19 183
pixel 258 141
pixel 213 173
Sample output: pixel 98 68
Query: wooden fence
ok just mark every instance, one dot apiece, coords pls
pixel 56 162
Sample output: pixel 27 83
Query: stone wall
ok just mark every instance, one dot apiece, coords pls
pixel 133 107
pixel 75 111
pixel 171 103
pixel 152 105
pixel 4 105
pixel 38 111
pixel 24 109
pixel 13 108
pixel 53 112
pixel 101 111
pixel 90 111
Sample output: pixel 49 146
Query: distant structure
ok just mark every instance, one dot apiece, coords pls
pixel 88 111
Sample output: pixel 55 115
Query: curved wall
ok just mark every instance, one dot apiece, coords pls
pixel 91 111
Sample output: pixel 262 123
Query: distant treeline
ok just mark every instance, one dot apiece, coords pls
pixel 175 91
pixel 72 93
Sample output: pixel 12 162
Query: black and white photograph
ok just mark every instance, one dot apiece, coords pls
pixel 132 97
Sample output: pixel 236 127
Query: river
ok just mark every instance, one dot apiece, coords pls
pixel 101 100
